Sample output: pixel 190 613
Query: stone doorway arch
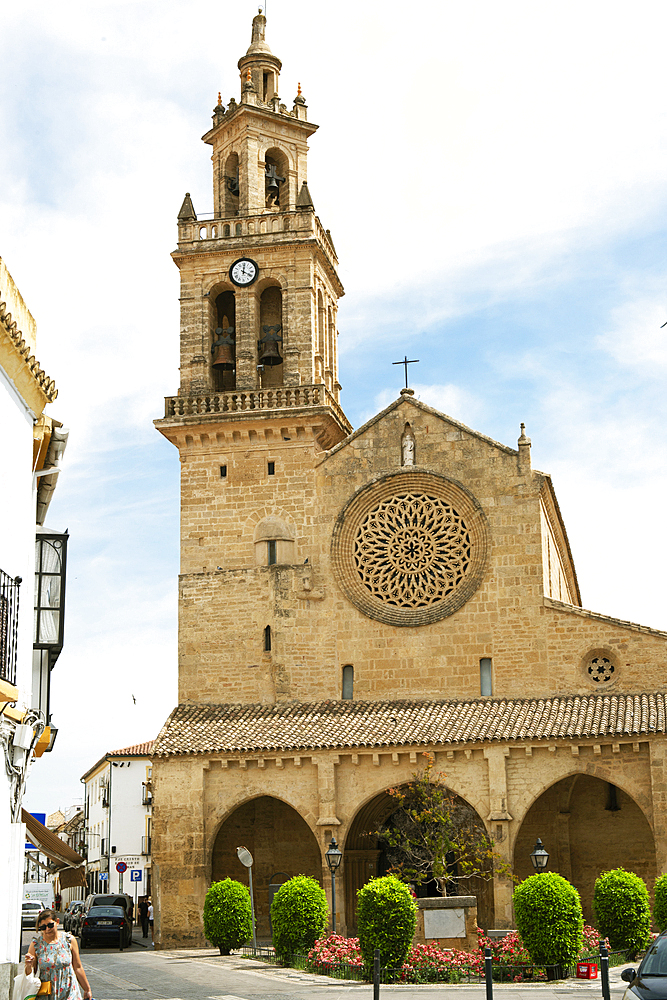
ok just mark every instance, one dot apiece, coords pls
pixel 588 826
pixel 279 841
pixel 364 859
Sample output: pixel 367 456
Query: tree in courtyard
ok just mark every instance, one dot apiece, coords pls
pixel 434 834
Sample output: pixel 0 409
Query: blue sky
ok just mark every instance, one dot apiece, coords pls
pixel 495 180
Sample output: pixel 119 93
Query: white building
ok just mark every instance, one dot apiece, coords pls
pixel 32 444
pixel 70 828
pixel 118 809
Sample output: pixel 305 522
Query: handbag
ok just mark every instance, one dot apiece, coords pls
pixel 26 987
pixel 44 989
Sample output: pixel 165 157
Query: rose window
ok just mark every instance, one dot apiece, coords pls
pixel 600 669
pixel 412 550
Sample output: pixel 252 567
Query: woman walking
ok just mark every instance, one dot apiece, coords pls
pixel 54 957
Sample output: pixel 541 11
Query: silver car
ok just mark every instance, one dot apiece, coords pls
pixel 30 910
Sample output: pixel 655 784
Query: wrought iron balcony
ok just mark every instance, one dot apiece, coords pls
pixel 9 618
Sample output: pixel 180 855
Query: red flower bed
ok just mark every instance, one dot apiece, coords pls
pixel 429 961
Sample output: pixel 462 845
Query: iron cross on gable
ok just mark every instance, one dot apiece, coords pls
pixel 405 362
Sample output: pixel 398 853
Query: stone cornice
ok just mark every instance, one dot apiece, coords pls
pixel 31 381
pixel 571 609
pixel 555 518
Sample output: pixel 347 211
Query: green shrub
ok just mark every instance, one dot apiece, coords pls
pixel 299 915
pixel 227 915
pixel 622 910
pixel 386 918
pixel 549 918
pixel 660 904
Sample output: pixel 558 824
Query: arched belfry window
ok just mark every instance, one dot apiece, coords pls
pixel 348 681
pixel 320 346
pixel 270 343
pixel 223 343
pixel 231 186
pixel 268 84
pixel 276 180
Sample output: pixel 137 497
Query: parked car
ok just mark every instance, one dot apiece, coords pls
pixel 110 899
pixel 650 979
pixel 30 910
pixel 72 909
pixel 106 925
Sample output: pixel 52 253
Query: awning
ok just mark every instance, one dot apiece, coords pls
pixel 69 865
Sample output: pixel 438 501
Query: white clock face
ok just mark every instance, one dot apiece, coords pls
pixel 243 271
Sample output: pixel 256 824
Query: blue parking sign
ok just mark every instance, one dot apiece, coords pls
pixel 135 875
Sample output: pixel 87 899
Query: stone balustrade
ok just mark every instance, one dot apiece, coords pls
pixel 238 400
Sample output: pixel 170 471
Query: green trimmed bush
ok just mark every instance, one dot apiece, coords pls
pixel 299 916
pixel 386 919
pixel 660 904
pixel 622 910
pixel 227 915
pixel 549 918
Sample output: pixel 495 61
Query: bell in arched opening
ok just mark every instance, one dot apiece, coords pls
pixel 269 353
pixel 223 346
pixel 223 349
pixel 270 345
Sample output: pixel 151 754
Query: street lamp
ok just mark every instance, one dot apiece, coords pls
pixel 245 857
pixel 539 856
pixel 334 857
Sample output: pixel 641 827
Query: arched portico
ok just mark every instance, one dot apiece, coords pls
pixel 588 826
pixel 279 841
pixel 365 859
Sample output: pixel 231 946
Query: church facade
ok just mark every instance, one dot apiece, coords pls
pixel 349 601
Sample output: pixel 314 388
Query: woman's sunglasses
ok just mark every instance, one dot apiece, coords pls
pixel 49 926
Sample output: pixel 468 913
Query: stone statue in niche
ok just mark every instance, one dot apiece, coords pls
pixel 408 446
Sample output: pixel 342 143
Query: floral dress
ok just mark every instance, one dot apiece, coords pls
pixel 55 964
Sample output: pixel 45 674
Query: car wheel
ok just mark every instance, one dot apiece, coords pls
pixel 83 942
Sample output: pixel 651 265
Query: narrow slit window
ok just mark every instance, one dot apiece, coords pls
pixel 485 676
pixel 348 681
pixel 267 639
pixel 271 551
pixel 223 471
pixel 272 468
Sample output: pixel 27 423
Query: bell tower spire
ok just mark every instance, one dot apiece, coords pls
pixel 259 280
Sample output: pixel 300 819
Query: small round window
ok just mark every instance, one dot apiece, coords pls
pixel 600 668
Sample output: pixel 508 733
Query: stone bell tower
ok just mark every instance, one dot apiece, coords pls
pixel 258 397
pixel 259 287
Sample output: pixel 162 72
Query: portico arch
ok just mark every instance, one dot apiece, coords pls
pixel 365 859
pixel 588 825
pixel 279 841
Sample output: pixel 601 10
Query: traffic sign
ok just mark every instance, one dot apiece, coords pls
pixel 135 875
pixel 121 867
pixel 104 876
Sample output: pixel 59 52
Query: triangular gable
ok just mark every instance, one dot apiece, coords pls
pixel 406 400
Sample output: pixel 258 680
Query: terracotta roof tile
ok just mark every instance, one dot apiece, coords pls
pixel 138 750
pixel 332 725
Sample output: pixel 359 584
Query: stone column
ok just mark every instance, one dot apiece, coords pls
pixel 658 764
pixel 498 822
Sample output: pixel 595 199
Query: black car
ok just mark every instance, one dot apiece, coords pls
pixel 106 925
pixel 650 979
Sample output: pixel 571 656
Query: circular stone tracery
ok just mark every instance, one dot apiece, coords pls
pixel 410 549
pixel 600 669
